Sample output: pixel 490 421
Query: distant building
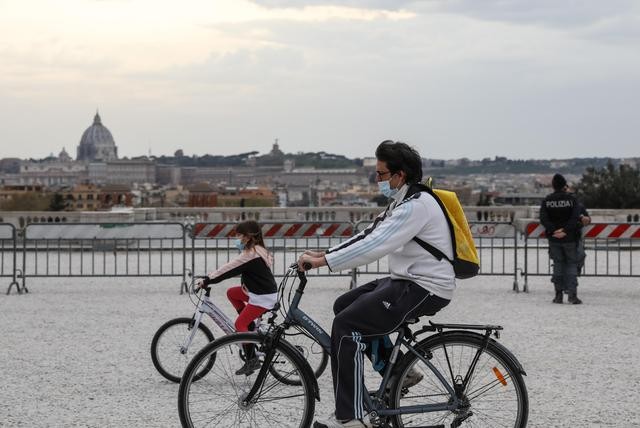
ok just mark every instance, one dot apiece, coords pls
pixel 97 143
pixel 202 195
pixel 168 175
pixel 123 172
pixel 10 165
pixel 250 196
pixel 115 194
pixel 312 176
pixel 275 150
pixel 83 197
pixel 52 172
pixel 176 197
pixel 64 156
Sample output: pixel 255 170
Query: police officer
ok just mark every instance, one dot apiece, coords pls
pixel 559 214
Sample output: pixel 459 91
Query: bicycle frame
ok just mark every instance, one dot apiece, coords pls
pixel 296 316
pixel 206 306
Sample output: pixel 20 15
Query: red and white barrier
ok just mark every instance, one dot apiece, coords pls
pixel 276 230
pixel 594 231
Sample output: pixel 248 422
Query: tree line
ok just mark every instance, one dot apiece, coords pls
pixel 610 187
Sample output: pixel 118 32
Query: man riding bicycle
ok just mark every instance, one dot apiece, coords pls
pixel 419 283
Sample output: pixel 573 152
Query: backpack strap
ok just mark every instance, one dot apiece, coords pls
pixel 414 190
pixel 433 250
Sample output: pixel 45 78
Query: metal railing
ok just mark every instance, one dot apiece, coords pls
pixel 609 252
pixel 104 250
pixel 8 255
pixel 162 249
pixel 212 243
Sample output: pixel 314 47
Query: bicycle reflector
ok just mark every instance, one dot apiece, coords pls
pixel 499 375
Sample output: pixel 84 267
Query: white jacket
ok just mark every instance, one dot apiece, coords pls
pixel 392 234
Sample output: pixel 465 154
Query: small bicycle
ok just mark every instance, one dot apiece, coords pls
pixel 179 339
pixel 468 378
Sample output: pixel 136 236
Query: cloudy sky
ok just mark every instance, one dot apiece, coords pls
pixel 454 78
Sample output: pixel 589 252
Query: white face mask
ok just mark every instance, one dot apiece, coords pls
pixel 385 188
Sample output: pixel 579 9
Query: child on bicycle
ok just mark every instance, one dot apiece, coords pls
pixel 258 290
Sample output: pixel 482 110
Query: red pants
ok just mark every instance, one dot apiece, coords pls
pixel 247 312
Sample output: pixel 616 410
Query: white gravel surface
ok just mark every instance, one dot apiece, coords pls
pixel 75 352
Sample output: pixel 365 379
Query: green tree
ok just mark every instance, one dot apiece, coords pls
pixel 31 201
pixel 57 202
pixel 610 187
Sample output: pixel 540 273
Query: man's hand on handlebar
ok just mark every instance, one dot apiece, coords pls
pixel 307 262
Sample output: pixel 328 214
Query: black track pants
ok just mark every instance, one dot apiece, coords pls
pixel 370 311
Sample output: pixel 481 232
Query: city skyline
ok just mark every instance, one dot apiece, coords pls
pixel 525 80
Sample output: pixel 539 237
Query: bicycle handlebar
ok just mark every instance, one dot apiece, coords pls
pixel 306 266
pixel 193 284
pixel 301 273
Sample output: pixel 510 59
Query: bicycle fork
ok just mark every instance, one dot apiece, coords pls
pixel 193 327
pixel 271 342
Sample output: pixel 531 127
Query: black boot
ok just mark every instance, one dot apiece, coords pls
pixel 249 367
pixel 573 299
pixel 558 298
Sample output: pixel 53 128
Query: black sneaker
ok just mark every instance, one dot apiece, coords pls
pixel 574 300
pixel 249 367
pixel 558 298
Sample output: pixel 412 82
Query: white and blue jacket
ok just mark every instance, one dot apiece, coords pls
pixel 392 234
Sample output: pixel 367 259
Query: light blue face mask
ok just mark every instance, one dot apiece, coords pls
pixel 385 188
pixel 239 244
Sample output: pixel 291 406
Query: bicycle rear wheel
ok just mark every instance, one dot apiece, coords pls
pixel 167 342
pixel 216 400
pixel 495 394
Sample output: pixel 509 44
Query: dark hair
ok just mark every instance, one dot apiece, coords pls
pixel 558 182
pixel 401 157
pixel 251 229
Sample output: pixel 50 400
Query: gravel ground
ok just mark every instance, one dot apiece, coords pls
pixel 75 352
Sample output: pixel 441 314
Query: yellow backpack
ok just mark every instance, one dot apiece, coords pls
pixel 466 263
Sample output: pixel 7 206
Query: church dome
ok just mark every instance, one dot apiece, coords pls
pixel 64 156
pixel 97 143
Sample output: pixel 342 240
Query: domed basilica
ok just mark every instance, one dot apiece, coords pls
pixel 97 143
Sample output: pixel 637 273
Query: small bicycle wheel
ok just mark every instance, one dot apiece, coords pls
pixel 217 399
pixel 310 350
pixel 495 394
pixel 168 341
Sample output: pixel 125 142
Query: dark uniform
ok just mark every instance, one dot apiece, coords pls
pixel 560 210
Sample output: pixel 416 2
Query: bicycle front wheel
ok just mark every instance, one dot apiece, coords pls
pixel 218 398
pixel 166 353
pixel 495 394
